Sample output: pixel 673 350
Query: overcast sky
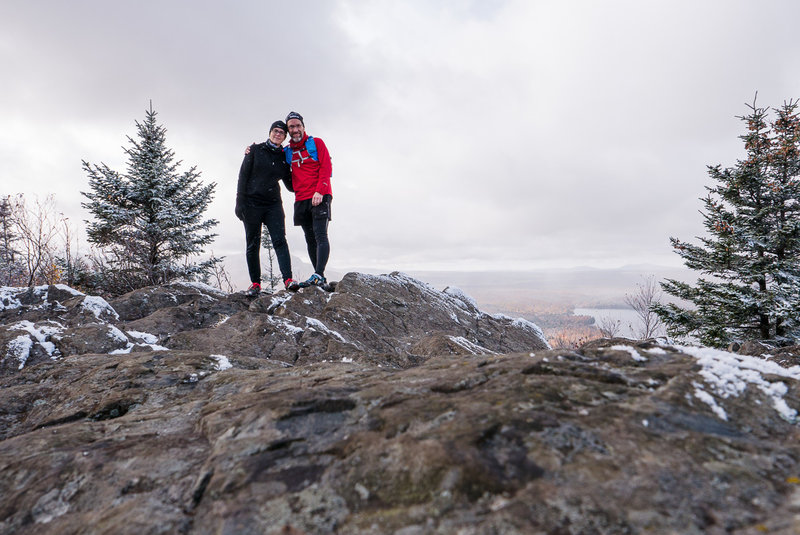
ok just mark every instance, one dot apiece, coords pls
pixel 465 134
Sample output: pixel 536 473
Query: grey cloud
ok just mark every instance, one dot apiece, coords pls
pixel 464 132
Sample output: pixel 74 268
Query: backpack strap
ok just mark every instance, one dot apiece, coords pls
pixel 311 148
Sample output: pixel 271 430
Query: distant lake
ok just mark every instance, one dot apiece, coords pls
pixel 629 321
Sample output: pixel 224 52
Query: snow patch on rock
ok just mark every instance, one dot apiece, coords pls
pixel 635 355
pixel 40 335
pixel 223 363
pixel 709 400
pixel 202 287
pixel 472 347
pixel 20 349
pixel 729 374
pixel 98 306
pixel 459 294
pixel 69 290
pixel 285 326
pixel 318 325
pixel 8 298
pixel 522 323
pixel 147 338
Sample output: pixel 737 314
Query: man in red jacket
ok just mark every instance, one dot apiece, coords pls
pixel 311 180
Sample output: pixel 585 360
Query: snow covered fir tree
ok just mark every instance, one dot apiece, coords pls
pixel 750 257
pixel 149 221
pixel 11 270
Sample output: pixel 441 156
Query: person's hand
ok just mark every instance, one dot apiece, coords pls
pixel 247 150
pixel 239 211
pixel 316 199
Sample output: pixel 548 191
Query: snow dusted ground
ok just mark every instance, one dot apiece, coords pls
pixel 729 374
pixel 723 375
pixel 46 334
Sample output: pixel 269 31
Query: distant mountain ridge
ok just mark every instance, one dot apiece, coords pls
pixel 583 287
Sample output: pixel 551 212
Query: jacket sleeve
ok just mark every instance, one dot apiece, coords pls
pixel 287 174
pixel 244 173
pixel 325 168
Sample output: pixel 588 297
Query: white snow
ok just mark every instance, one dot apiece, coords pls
pixel 316 324
pixel 97 305
pixel 473 348
pixel 72 291
pixel 656 351
pixel 284 325
pixel 143 339
pixel 20 349
pixel 729 374
pixel 9 295
pixel 147 338
pixel 202 287
pixel 709 400
pixel 8 298
pixel 116 334
pixel 522 323
pixel 278 300
pixel 634 354
pixel 41 335
pixel 222 362
pixel 347 359
pixel 458 293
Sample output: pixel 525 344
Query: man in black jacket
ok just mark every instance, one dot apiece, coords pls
pixel 258 201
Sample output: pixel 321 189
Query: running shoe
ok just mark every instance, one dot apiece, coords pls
pixel 291 285
pixel 314 280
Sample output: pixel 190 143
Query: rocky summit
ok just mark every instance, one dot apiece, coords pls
pixel 386 406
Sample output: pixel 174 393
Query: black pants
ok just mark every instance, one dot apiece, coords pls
pixel 273 217
pixel 314 221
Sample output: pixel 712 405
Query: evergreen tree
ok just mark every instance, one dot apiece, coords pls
pixel 752 248
pixel 10 266
pixel 150 219
pixel 271 277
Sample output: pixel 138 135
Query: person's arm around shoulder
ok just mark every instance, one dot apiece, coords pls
pixel 241 186
pixel 286 171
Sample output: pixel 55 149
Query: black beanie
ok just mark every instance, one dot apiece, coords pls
pixel 279 124
pixel 295 115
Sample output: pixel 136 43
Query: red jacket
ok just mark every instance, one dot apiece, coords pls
pixel 309 176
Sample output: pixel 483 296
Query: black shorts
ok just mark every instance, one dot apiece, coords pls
pixel 305 213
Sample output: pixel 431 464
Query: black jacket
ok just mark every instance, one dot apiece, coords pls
pixel 261 170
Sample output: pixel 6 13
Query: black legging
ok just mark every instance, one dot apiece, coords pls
pixel 314 222
pixel 319 249
pixel 273 217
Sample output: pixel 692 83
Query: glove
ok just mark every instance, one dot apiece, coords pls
pixel 239 211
